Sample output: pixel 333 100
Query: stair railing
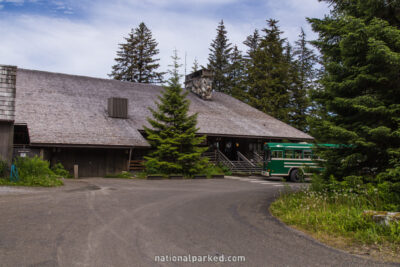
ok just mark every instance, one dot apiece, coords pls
pixel 224 159
pixel 242 157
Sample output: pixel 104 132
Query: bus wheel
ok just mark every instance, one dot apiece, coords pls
pixel 295 176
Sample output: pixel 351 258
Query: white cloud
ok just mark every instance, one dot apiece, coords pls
pixel 88 46
pixel 14 1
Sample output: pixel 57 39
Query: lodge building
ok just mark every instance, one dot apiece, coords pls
pixel 98 124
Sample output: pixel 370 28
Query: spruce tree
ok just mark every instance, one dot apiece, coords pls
pixel 267 75
pixel 236 75
pixel 173 132
pixel 195 66
pixel 219 59
pixel 360 100
pixel 252 42
pixel 302 74
pixel 135 61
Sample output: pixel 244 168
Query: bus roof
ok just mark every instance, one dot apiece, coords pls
pixel 299 145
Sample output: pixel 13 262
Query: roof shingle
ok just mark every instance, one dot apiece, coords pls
pixel 69 109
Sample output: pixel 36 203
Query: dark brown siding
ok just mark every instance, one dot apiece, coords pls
pixel 6 140
pixel 92 162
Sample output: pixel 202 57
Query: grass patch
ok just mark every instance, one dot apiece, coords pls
pixel 121 175
pixel 337 217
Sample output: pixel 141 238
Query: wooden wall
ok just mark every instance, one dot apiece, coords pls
pixel 93 162
pixel 6 140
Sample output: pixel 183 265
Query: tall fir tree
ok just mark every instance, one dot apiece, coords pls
pixel 219 59
pixel 236 75
pixel 135 61
pixel 196 65
pixel 360 100
pixel 303 75
pixel 252 42
pixel 267 75
pixel 173 132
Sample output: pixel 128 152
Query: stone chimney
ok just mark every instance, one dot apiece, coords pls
pixel 200 83
pixel 7 110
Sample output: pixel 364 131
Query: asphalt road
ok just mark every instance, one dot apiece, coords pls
pixel 115 222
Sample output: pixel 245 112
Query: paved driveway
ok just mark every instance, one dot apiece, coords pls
pixel 113 222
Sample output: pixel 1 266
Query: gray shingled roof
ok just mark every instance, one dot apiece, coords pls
pixel 69 109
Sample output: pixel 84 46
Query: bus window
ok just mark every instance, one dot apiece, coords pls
pixel 267 155
pixel 307 154
pixel 277 154
pixel 289 154
pixel 298 154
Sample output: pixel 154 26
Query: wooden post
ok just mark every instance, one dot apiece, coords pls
pixel 129 160
pixel 76 173
pixel 41 155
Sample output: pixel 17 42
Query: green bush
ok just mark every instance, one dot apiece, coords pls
pixel 337 213
pixel 122 175
pixel 60 171
pixel 35 172
pixel 3 168
pixel 212 169
pixel 383 195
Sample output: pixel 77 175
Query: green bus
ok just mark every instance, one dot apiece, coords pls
pixel 291 160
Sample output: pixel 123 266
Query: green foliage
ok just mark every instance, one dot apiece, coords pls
pixel 34 166
pixel 236 75
pixel 337 213
pixel 135 60
pixel 122 175
pixel 268 74
pixel 196 65
pixel 212 169
pixel 141 175
pixel 219 60
pixel 359 103
pixel 3 168
pixel 59 170
pixel 173 133
pixel 302 75
pixel 381 196
pixel 34 172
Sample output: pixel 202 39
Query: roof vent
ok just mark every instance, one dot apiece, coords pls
pixel 118 107
pixel 200 83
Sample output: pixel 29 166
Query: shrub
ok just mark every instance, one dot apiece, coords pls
pixel 36 172
pixel 3 168
pixel 212 169
pixel 60 171
pixel 337 213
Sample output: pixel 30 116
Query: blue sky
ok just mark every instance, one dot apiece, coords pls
pixel 81 37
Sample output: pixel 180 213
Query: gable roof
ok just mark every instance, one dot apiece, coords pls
pixel 72 110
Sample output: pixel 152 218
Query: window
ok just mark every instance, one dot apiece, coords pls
pixel 277 154
pixel 289 154
pixel 298 154
pixel 307 154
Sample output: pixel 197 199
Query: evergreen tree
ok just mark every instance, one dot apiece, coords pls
pixel 173 133
pixel 219 59
pixel 267 75
pixel 236 75
pixel 136 60
pixel 252 42
pixel 360 100
pixel 302 73
pixel 195 66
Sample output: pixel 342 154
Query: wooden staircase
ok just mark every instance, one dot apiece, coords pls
pixel 243 165
pixel 136 165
